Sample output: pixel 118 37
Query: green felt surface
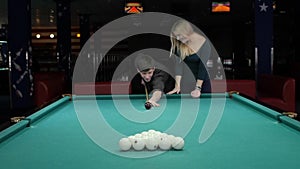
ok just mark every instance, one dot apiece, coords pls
pixel 246 136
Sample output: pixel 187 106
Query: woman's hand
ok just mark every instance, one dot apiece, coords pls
pixel 175 90
pixel 196 93
pixel 177 85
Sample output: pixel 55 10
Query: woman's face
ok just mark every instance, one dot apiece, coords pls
pixel 182 37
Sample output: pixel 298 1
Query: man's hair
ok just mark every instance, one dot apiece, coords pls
pixel 144 62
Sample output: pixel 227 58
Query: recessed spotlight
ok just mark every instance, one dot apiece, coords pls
pixel 51 35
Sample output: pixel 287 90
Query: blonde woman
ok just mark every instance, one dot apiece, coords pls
pixel 190 51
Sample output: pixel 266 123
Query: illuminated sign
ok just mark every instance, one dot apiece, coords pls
pixel 133 7
pixel 220 6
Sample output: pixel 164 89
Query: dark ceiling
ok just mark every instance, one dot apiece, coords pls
pixel 103 11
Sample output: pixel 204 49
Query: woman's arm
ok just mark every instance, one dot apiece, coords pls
pixel 177 85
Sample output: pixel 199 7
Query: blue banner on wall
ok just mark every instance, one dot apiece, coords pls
pixel 264 35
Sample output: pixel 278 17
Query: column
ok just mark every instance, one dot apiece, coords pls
pixel 19 47
pixel 84 21
pixel 63 48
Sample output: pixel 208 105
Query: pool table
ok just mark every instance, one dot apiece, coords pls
pixel 220 131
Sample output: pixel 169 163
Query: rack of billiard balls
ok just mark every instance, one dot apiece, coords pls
pixel 151 140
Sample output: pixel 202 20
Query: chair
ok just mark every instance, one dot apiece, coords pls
pixel 48 86
pixel 277 92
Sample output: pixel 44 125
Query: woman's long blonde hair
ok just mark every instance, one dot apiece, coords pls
pixel 180 27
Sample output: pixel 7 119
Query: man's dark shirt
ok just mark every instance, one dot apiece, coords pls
pixel 160 81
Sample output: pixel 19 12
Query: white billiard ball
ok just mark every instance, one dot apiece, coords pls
pixel 157 133
pixel 145 138
pixel 138 135
pixel 125 144
pixel 171 137
pixel 138 144
pixel 151 143
pixel 144 133
pixel 150 135
pixel 131 138
pixel 163 135
pixel 164 143
pixel 151 131
pixel 178 143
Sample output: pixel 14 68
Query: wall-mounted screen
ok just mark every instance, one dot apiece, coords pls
pixel 220 6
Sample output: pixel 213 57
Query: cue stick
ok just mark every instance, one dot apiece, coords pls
pixel 146 91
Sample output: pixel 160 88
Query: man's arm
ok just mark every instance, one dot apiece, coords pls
pixel 155 98
pixel 158 83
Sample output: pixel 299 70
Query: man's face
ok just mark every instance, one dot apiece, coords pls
pixel 147 75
